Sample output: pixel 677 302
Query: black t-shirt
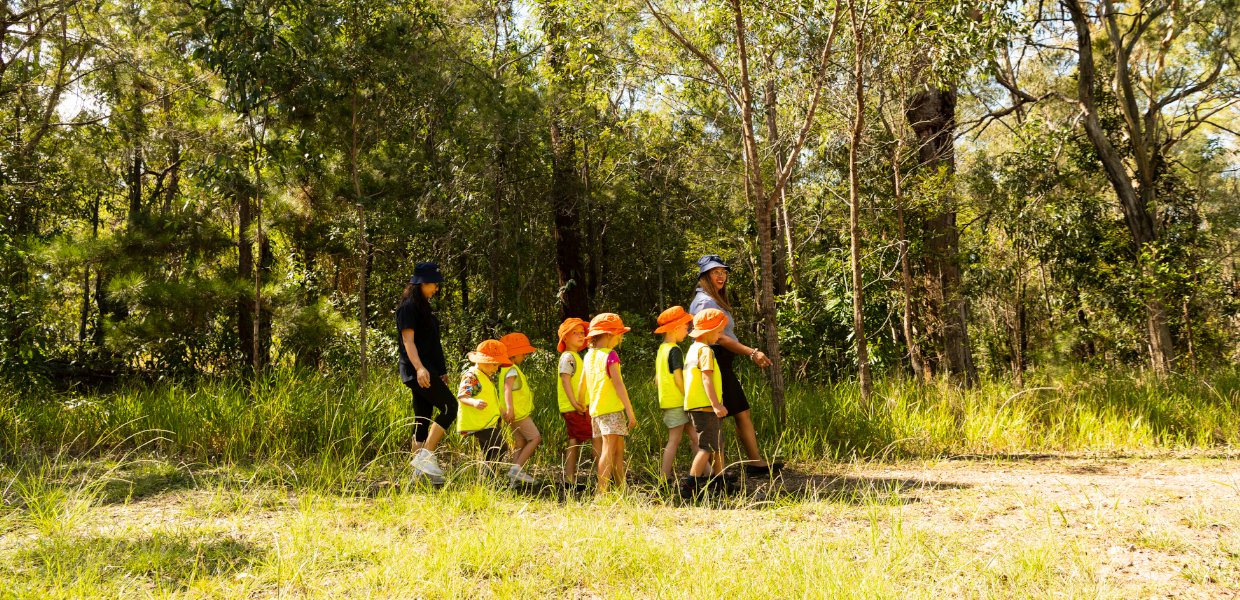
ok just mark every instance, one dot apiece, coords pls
pixel 425 326
pixel 675 359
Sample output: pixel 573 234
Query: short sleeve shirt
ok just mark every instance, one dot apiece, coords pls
pixel 613 358
pixel 425 328
pixel 701 359
pixel 675 359
pixel 703 301
pixel 516 381
pixel 568 365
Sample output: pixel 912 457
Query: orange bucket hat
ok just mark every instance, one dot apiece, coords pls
pixel 606 323
pixel 491 352
pixel 567 327
pixel 708 321
pixel 672 318
pixel 517 343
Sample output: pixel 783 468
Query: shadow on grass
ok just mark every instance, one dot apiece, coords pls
pixel 163 560
pixel 854 490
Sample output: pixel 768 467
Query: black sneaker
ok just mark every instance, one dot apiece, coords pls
pixel 730 477
pixel 771 470
pixel 723 486
pixel 689 485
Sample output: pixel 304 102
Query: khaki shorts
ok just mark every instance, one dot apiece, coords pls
pixel 674 417
pixel 610 424
pixel 524 431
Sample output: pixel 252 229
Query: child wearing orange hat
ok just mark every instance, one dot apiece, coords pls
pixel 572 334
pixel 518 406
pixel 703 397
pixel 602 384
pixel 669 377
pixel 479 413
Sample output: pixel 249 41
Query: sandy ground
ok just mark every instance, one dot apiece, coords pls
pixel 1166 527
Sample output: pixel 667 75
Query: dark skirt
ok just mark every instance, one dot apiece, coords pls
pixel 733 394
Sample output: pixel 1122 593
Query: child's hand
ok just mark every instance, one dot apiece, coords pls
pixel 480 403
pixel 508 417
pixel 580 409
pixel 632 419
pixel 720 411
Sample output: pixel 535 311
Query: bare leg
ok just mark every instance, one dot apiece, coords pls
pixel 700 461
pixel 432 439
pixel 570 461
pixel 693 438
pixel 527 451
pixel 669 452
pixel 618 468
pixel 604 464
pixel 596 448
pixel 749 439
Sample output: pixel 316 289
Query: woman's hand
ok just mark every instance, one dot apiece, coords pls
pixel 424 377
pixel 759 358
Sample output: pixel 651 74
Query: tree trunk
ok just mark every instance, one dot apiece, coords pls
pixel 174 157
pixel 496 241
pixel 906 272
pixel 1133 204
pixel 771 99
pixel 932 116
pixel 245 274
pixel 854 212
pixel 564 188
pixel 762 207
pixel 362 309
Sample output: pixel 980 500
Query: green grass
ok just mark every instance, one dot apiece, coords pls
pixel 304 415
pixel 237 534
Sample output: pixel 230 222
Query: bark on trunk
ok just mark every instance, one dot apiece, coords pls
pixel 245 275
pixel 932 116
pixel 771 99
pixel 854 211
pixel 762 207
pixel 906 271
pixel 564 191
pixel 1133 203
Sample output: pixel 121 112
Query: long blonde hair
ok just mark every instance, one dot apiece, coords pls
pixel 706 284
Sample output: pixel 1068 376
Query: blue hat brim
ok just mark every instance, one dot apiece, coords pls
pixel 714 264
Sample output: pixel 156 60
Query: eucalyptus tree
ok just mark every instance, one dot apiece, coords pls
pixel 1169 70
pixel 714 49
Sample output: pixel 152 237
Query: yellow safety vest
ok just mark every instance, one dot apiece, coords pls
pixel 522 399
pixel 669 395
pixel 599 388
pixel 565 405
pixel 471 419
pixel 695 392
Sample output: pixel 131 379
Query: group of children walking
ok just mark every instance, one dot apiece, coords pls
pixel 593 401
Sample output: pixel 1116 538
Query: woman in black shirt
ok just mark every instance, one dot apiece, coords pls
pixel 423 369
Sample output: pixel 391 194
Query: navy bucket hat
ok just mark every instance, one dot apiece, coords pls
pixel 711 261
pixel 426 272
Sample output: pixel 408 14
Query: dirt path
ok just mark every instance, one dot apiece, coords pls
pixel 1152 527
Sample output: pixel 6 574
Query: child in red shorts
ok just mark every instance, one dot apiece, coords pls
pixel 576 417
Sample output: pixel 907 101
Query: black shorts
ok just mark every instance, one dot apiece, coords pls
pixel 733 394
pixel 491 442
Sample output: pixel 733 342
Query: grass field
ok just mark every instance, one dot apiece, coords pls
pixel 296 486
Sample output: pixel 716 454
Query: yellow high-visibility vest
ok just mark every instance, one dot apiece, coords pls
pixel 695 391
pixel 473 419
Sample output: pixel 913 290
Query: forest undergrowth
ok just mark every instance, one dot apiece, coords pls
pixel 296 484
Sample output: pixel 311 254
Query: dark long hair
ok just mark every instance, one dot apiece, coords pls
pixel 413 293
pixel 721 296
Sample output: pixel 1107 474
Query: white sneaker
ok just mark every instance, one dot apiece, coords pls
pixel 517 475
pixel 425 462
pixel 420 478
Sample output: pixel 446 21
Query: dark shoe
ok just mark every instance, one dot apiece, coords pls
pixel 731 477
pixel 689 485
pixel 723 486
pixel 771 470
